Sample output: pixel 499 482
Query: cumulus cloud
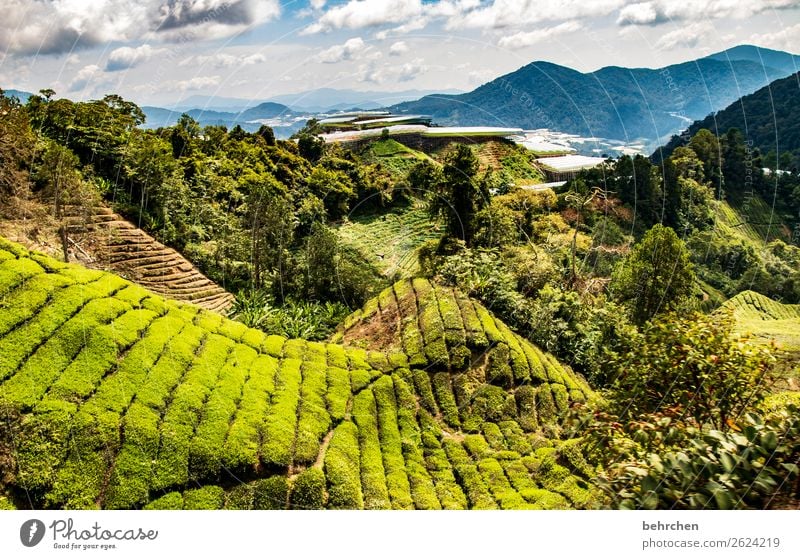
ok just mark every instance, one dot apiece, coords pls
pixel 525 39
pixel 58 26
pixel 223 60
pixel 687 36
pixel 84 77
pixel 198 82
pixel 411 70
pixel 373 72
pixel 357 14
pixel 398 48
pixel 128 57
pixel 659 11
pixel 348 51
pixel 785 39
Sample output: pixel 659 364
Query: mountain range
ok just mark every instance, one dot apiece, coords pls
pixel 768 118
pixel 616 103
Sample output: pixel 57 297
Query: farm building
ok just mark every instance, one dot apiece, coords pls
pixel 565 167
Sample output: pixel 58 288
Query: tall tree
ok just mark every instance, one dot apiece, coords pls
pixel 458 197
pixel 656 276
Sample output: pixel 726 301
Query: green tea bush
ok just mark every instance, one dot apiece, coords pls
pixel 445 399
pixel 270 493
pixel 500 487
pixel 469 477
pixel 313 418
pixel 208 497
pixel 373 477
pixel 207 446
pixel 170 501
pixel 422 489
pixel 342 466
pixel 308 490
pixel 391 446
pixel 281 420
pixel 241 446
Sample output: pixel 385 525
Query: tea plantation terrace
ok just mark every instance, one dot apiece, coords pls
pixel 113 397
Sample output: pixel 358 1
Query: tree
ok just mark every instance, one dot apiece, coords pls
pixel 459 196
pixel 656 276
pixel 311 147
pixel 334 188
pixel 16 143
pixel 58 174
pixel 690 366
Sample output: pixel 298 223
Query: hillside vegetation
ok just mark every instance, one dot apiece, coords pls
pixel 115 398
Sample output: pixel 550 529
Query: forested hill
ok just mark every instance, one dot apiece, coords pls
pixel 613 102
pixel 769 118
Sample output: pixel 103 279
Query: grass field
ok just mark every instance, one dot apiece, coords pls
pixel 390 240
pixel 396 158
pixel 765 321
pixel 113 397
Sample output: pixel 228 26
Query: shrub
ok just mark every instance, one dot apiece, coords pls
pixel 281 419
pixel 170 501
pixel 270 493
pixel 373 478
pixel 469 477
pixel 445 399
pixel 391 447
pixel 422 489
pixel 693 365
pixel 241 444
pixel 342 466
pixel 308 490
pixel 208 497
pixel 313 419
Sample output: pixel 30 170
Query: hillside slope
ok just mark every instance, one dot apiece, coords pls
pixel 106 241
pixel 613 102
pixel 113 397
pixel 769 118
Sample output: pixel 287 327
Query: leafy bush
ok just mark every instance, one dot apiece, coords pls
pixel 308 490
pixel 693 366
pixel 754 465
pixel 307 320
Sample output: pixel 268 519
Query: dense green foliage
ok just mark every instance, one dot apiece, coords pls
pixel 114 397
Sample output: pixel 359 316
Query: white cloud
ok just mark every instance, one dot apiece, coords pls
pixel 525 39
pixel 357 14
pixel 198 82
pixel 317 4
pixel 787 39
pixel 58 26
pixel 687 36
pixel 348 51
pixel 223 60
pixel 128 57
pixel 643 13
pixel 371 72
pixel 84 77
pixel 411 70
pixel 659 11
pixel 398 48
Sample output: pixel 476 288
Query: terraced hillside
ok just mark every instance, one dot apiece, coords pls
pixel 113 397
pixel 767 319
pixel 119 246
pixel 390 241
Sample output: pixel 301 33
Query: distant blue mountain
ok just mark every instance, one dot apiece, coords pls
pixel 624 104
pixel 23 96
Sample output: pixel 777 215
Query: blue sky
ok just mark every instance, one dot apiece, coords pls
pixel 159 51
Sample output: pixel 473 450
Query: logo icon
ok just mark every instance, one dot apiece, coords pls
pixel 31 532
